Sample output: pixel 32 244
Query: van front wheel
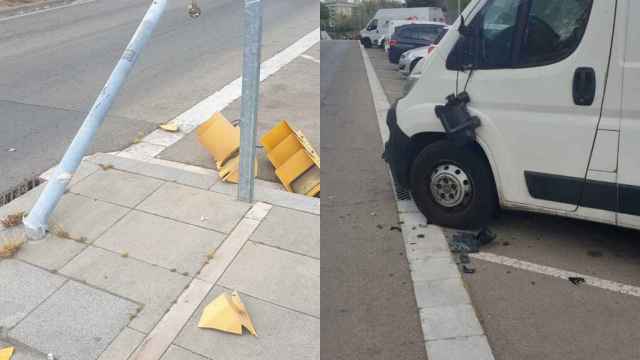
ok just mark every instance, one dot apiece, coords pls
pixel 453 186
pixel 366 42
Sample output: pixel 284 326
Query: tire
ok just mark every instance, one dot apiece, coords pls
pixel 413 64
pixel 435 166
pixel 366 42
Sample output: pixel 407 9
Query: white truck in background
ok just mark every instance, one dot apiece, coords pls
pixel 374 34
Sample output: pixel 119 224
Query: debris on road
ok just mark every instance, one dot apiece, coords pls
pixel 105 167
pixel 227 313
pixel 464 243
pixel 222 141
pixel 395 228
pixel 11 149
pixel 170 127
pixel 13 220
pixel 6 353
pixel 576 280
pixel 595 253
pixel 297 164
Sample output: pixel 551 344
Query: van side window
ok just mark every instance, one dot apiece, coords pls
pixel 524 33
pixel 498 33
pixel 554 30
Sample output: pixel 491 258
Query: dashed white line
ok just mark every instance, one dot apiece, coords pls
pixel 558 273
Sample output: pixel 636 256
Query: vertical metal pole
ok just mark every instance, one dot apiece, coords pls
pixel 250 94
pixel 459 7
pixel 37 221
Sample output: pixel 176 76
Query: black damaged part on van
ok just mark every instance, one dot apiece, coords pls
pixel 457 121
pixel 398 151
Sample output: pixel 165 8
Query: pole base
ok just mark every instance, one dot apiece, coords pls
pixel 34 232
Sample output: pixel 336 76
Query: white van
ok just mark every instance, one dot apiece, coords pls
pixel 554 97
pixel 374 33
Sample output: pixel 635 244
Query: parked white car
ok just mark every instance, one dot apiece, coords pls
pixel 540 120
pixel 374 33
pixel 410 58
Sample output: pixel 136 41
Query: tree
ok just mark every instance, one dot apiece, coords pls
pixel 324 12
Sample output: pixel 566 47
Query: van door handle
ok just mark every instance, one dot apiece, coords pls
pixel 584 86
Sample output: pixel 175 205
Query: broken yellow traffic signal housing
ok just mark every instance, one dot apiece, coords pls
pixel 6 353
pixel 297 163
pixel 227 313
pixel 222 141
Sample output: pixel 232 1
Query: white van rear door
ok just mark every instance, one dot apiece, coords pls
pixel 531 54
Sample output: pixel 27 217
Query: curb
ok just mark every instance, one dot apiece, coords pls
pixel 450 324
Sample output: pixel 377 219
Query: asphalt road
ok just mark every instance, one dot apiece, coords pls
pixel 368 307
pixel 532 316
pixel 54 63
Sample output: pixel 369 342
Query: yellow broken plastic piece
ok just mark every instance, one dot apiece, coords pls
pixel 170 127
pixel 6 353
pixel 297 163
pixel 222 141
pixel 227 313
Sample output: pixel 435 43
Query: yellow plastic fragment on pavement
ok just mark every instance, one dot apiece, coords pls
pixel 170 127
pixel 6 353
pixel 227 313
pixel 297 163
pixel 222 141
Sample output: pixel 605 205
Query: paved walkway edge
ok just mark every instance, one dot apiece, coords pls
pixel 163 335
pixel 450 324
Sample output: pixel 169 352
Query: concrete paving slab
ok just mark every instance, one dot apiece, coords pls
pixel 290 230
pixel 117 187
pixel 22 288
pixel 282 334
pixel 158 171
pixel 178 353
pixel 22 352
pixel 150 285
pixel 77 323
pixel 123 345
pixel 476 348
pixel 440 293
pixel 207 209
pixel 161 241
pixel 51 253
pixel 450 321
pixel 81 216
pixel 278 276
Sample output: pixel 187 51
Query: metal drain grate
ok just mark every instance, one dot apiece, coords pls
pixel 402 193
pixel 19 190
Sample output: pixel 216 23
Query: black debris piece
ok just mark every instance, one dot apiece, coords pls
pixel 576 280
pixel 420 236
pixel 468 269
pixel 395 228
pixel 379 226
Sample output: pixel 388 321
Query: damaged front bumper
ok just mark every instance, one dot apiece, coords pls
pixel 398 152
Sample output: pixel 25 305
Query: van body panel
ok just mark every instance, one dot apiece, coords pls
pixel 605 151
pixel 629 163
pixel 544 99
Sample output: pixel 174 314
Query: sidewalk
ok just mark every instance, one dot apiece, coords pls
pixel 139 246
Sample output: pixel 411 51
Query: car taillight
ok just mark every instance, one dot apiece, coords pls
pixel 430 49
pixel 393 42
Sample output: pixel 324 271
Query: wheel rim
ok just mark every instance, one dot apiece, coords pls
pixel 450 186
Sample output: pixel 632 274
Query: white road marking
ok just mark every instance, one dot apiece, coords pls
pixel 201 112
pixel 47 9
pixel 311 58
pixel 558 273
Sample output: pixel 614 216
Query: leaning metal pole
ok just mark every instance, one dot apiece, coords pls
pixel 250 94
pixel 36 222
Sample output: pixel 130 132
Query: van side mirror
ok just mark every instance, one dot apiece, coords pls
pixel 464 29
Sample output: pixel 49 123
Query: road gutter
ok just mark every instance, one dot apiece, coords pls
pixel 449 322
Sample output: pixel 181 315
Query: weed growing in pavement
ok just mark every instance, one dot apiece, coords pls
pixel 10 242
pixel 105 167
pixel 13 220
